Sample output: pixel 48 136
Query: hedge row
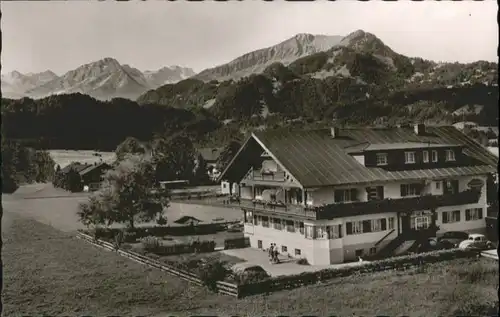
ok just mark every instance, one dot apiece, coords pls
pixel 236 243
pixel 307 278
pixel 133 234
pixel 153 244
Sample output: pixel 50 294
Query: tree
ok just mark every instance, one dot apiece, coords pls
pixel 174 158
pixel 129 146
pixel 72 181
pixel 127 195
pixel 227 154
pixel 201 172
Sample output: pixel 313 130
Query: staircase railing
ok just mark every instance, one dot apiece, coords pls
pixel 384 237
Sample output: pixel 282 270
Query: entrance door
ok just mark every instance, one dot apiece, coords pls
pixel 405 224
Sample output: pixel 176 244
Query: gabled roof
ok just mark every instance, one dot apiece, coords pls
pixel 78 167
pixel 316 159
pixel 92 167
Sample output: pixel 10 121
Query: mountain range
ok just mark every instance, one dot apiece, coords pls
pixel 306 74
pixel 103 79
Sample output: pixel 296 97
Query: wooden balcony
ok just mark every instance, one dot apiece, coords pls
pixel 400 205
pixel 278 208
pixel 257 175
pixel 337 210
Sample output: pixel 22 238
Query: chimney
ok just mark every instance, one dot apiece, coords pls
pixel 334 131
pixel 419 129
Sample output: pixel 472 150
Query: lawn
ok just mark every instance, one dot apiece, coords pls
pixel 49 272
pixel 65 157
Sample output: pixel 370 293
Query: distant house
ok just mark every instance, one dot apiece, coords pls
pixel 92 175
pixel 464 124
pixel 188 220
pixel 211 155
pixel 332 195
pixel 227 188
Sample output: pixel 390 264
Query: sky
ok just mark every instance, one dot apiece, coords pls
pixel 61 36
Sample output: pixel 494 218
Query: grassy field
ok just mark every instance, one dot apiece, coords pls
pixel 46 204
pixel 48 272
pixel 65 157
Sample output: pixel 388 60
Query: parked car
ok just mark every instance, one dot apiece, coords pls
pixel 452 239
pixel 476 241
pixel 237 227
pixel 434 244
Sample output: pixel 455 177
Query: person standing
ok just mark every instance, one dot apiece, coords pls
pixel 271 253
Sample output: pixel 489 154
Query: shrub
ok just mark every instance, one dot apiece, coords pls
pixel 151 244
pixel 250 277
pixel 236 243
pixel 130 236
pixel 302 261
pixel 210 271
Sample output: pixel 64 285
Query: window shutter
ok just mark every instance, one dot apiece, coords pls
pixel 338 195
pixel 445 217
pixel 403 190
pixel 480 213
pixel 380 192
pixel 340 231
pixel 354 194
pixel 383 224
pixel 348 228
pixel 367 226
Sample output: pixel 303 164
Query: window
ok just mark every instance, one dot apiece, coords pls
pixel 297 252
pixel 425 156
pixel 290 226
pixel 345 195
pixel 355 227
pixel 473 214
pixel 451 216
pixel 375 193
pixel 373 251
pixel 359 252
pixel 450 187
pixel 258 191
pixel 265 222
pixel 410 189
pixel 381 159
pixel 438 185
pixel 284 248
pixel 434 156
pixel 259 244
pixel 379 225
pixel 450 155
pixel 391 224
pixel 410 157
pixel 421 222
pixel 276 223
pixel 320 232
pixel 334 232
pixel 223 185
pixel 309 231
pixel 248 217
pixel 299 225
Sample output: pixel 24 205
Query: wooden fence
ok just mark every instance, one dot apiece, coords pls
pixel 222 287
pixel 294 281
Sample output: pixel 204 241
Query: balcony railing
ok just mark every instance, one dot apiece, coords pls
pixel 337 210
pixel 258 175
pixel 275 207
pixel 400 205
